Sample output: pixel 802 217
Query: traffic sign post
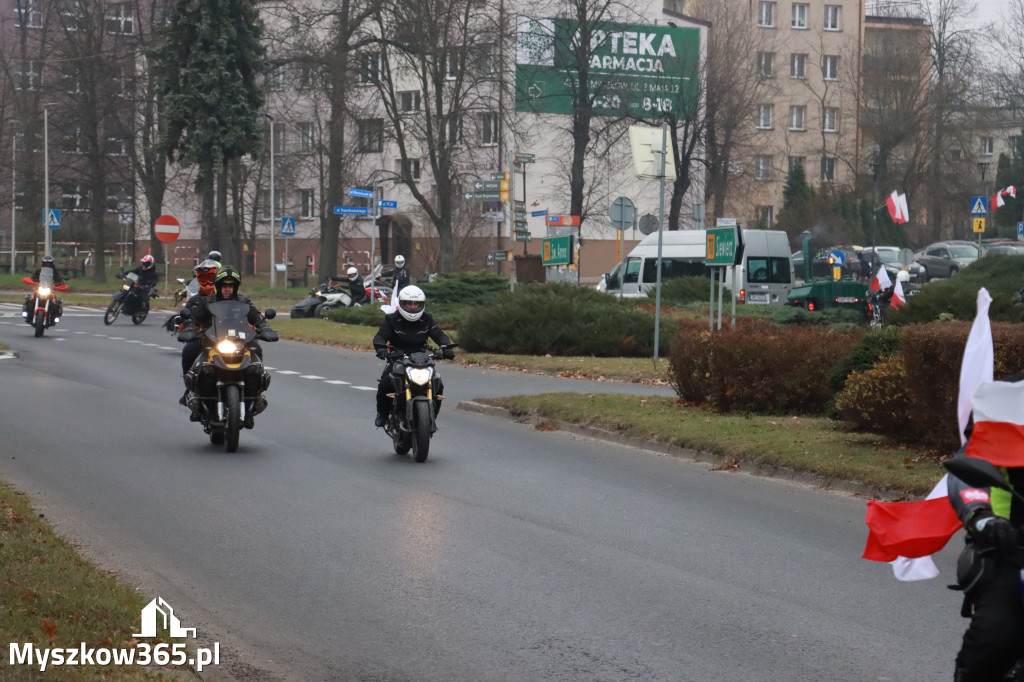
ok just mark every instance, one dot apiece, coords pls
pixel 351 210
pixel 978 224
pixel 287 229
pixel 557 250
pixel 361 193
pixel 979 206
pixel 1020 232
pixel 167 229
pixel 53 218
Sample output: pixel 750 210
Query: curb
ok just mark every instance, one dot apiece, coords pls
pixel 717 462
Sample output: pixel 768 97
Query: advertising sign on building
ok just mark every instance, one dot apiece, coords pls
pixel 633 70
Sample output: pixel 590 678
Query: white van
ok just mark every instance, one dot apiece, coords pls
pixel 766 274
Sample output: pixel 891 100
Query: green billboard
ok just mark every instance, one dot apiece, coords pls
pixel 633 70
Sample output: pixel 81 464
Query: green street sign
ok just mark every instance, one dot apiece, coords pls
pixel 523 237
pixel 557 250
pixel 721 246
pixel 634 70
pixel 483 196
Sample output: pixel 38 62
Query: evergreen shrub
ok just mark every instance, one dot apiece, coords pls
pixel 876 399
pixel 865 353
pixel 757 366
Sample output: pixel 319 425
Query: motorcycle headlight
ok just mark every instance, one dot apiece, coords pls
pixel 44 291
pixel 229 347
pixel 419 375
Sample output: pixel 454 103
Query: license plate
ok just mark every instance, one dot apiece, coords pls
pixel 757 298
pixel 846 299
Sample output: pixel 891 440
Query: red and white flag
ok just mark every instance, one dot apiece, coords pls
pixel 898 298
pixel 906 534
pixel 997 198
pixel 998 434
pixel 897 204
pixel 393 305
pixel 881 282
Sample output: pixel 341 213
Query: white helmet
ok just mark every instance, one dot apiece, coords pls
pixel 903 276
pixel 399 261
pixel 352 273
pixel 411 303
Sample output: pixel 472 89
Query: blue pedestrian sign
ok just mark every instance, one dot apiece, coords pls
pixel 1020 232
pixel 979 205
pixel 384 203
pixel 351 210
pixel 364 193
pixel 288 226
pixel 53 218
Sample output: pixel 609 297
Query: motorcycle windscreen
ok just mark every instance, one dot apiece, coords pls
pixel 230 320
pixel 192 287
pixel 46 276
pixel 131 278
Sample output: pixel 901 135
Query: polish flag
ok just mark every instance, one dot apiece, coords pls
pixel 998 423
pixel 897 204
pixel 393 306
pixel 906 534
pixel 881 282
pixel 997 199
pixel 898 298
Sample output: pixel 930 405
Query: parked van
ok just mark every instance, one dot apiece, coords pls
pixel 766 275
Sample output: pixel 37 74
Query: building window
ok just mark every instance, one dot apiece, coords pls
pixel 986 146
pixel 74 141
pixel 264 204
pixel 795 161
pixel 832 14
pixel 491 59
pixel 799 15
pixel 28 14
pixel 409 100
pixel 307 137
pixel 411 169
pixel 830 120
pixel 797 65
pixel 70 81
pixel 371 134
pixel 828 169
pixel 120 19
pixel 70 15
pixel 766 14
pixel 124 81
pixel 119 198
pixel 764 217
pixel 1015 146
pixel 307 203
pixel 797 117
pixel 74 198
pixel 305 75
pixel 766 64
pixel 453 130
pixel 117 145
pixel 28 75
pixel 764 116
pixel 369 68
pixel 763 167
pixel 830 67
pixel 451 65
pixel 490 129
pixel 276 79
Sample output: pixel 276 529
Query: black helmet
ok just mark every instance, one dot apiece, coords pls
pixel 47 259
pixel 214 255
pixel 227 274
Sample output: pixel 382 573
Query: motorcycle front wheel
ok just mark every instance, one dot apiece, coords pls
pixel 232 418
pixel 421 434
pixel 40 323
pixel 113 310
pixel 138 317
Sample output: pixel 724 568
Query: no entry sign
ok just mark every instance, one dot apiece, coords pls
pixel 166 228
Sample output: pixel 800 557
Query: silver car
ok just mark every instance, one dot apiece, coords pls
pixel 945 259
pixel 889 258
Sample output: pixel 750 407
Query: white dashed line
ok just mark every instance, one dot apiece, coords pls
pixel 337 382
pixel 285 371
pixel 166 348
pixel 114 338
pixel 365 388
pixel 310 376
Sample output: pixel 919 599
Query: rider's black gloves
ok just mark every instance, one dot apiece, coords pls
pixel 447 353
pixel 265 333
pixel 382 353
pixel 993 532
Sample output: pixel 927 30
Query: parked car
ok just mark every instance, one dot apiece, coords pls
pixel 820 266
pixel 945 259
pixel 889 258
pixel 1005 248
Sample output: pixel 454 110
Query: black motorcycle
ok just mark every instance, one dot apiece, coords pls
pixel 227 378
pixel 132 299
pixel 42 307
pixel 413 419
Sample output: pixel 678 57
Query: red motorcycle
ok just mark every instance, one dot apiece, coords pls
pixel 42 307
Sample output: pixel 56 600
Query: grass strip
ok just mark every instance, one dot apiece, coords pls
pixel 804 444
pixel 52 597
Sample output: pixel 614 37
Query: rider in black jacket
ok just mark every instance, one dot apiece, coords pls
pixel 987 570
pixel 148 276
pixel 356 287
pixel 407 330
pixel 47 262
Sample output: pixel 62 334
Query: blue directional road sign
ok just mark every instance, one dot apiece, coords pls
pixel 351 210
pixel 979 205
pixel 364 193
pixel 1020 232
pixel 384 203
pixel 288 226
pixel 536 214
pixel 53 218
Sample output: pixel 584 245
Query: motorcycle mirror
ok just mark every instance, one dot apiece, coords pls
pixel 270 314
pixel 976 472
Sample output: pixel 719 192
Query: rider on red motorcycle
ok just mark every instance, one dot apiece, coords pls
pixel 58 281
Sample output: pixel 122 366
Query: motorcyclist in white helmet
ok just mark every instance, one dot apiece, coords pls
pixel 400 273
pixel 356 287
pixel 407 330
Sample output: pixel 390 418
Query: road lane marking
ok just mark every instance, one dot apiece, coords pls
pixel 337 382
pixel 365 388
pixel 310 376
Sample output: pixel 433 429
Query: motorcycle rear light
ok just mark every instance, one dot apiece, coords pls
pixel 743 296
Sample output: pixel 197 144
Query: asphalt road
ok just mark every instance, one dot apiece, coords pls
pixel 315 553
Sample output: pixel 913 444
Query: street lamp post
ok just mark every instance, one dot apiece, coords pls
pixel 983 166
pixel 875 167
pixel 14 195
pixel 273 264
pixel 46 177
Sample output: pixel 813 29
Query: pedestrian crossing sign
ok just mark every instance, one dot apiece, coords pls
pixel 53 218
pixel 979 206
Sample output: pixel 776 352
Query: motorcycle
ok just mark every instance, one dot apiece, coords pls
pixel 413 419
pixel 227 379
pixel 188 289
pixel 321 299
pixel 132 299
pixel 42 307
